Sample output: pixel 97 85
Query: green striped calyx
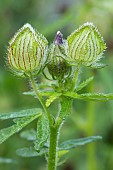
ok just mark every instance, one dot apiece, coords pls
pixel 85 45
pixel 27 51
pixel 57 66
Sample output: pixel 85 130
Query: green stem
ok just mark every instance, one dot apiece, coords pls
pixel 54 129
pixel 40 98
pixel 75 77
pixel 66 105
pixel 52 159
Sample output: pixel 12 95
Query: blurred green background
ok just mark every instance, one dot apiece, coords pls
pixel 88 118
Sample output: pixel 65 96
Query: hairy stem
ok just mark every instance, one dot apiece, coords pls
pixel 75 77
pixel 52 159
pixel 40 98
pixel 54 128
pixel 66 105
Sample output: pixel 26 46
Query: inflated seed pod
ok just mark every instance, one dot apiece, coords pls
pixel 27 51
pixel 85 45
pixel 57 66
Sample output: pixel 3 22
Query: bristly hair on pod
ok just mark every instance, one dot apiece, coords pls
pixel 27 51
pixel 85 45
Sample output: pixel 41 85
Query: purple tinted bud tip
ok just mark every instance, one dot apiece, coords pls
pixel 58 38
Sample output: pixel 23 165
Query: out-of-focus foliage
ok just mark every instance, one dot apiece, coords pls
pixel 88 118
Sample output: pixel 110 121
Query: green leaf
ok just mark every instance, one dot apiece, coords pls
pixel 42 131
pixel 90 96
pixel 86 45
pixel 66 106
pixel 20 123
pixel 71 94
pixel 22 113
pixel 30 152
pixel 7 161
pixel 73 143
pixel 28 134
pixel 84 84
pixel 53 97
pixel 96 96
pixel 60 158
pixel 43 93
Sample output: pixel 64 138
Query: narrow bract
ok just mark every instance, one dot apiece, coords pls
pixel 27 50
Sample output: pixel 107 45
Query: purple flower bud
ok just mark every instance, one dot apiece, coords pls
pixel 58 38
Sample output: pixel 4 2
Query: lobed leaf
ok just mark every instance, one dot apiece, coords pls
pixel 71 94
pixel 22 113
pixel 53 97
pixel 73 143
pixel 96 96
pixel 66 104
pixel 19 124
pixel 43 93
pixel 84 84
pixel 42 131
pixel 90 96
pixel 30 152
